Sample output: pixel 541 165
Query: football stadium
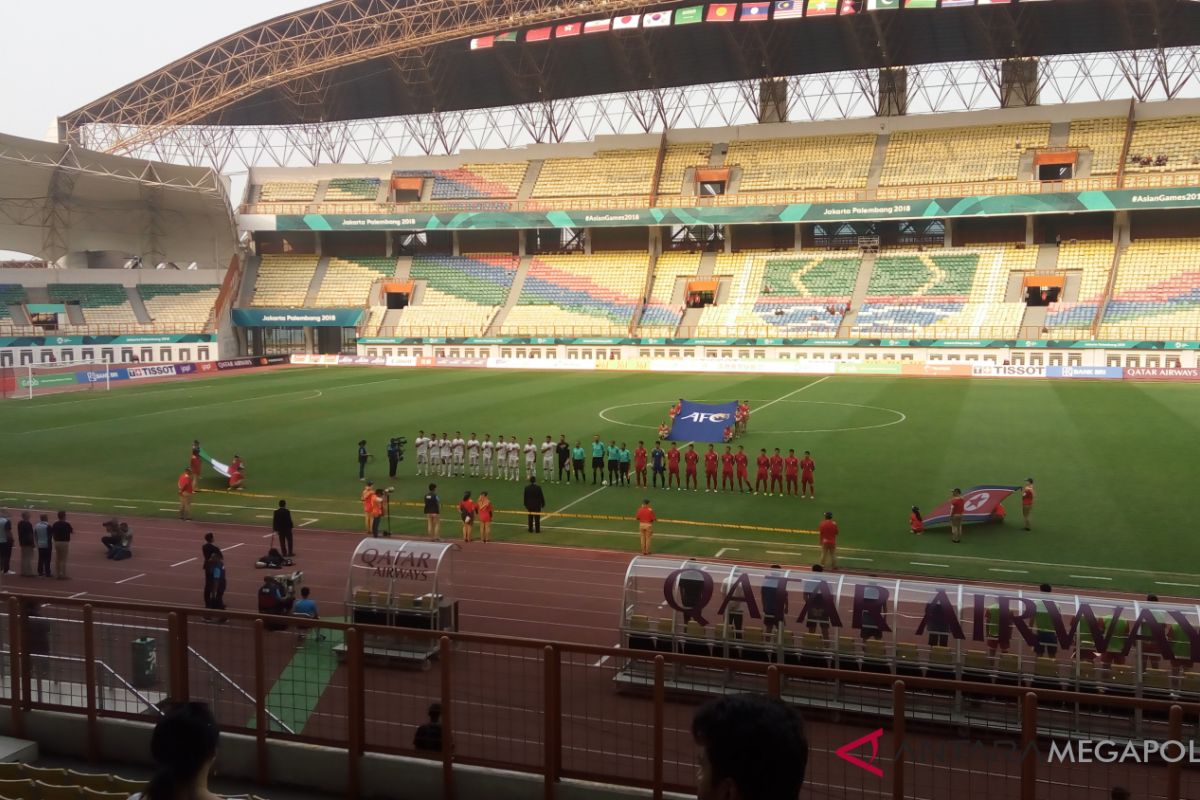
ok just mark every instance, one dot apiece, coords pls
pixel 749 400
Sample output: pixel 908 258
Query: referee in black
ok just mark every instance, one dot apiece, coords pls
pixel 393 454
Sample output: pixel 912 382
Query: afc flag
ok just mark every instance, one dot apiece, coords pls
pixel 700 422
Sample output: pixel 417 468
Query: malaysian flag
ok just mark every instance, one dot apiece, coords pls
pixel 789 9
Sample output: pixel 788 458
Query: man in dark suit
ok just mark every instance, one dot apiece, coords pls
pixel 535 501
pixel 282 525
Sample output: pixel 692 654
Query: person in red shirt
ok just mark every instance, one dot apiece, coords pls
pixel 675 409
pixel 1027 503
pixel 916 523
pixel 745 415
pixel 645 517
pixel 760 475
pixel 639 464
pixel 664 430
pixel 727 468
pixel 958 506
pixel 186 488
pixel 710 469
pixel 690 459
pixel 776 474
pixel 236 477
pixel 807 468
pixel 791 466
pixel 673 468
pixel 727 435
pixel 739 418
pixel 236 465
pixel 194 466
pixel 485 509
pixel 467 510
pixel 743 473
pixel 828 531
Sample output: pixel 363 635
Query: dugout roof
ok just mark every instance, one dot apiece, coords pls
pixel 363 59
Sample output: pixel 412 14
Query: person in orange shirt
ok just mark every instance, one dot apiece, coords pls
pixel 776 473
pixel 186 488
pixel 485 509
pixel 807 468
pixel 760 475
pixel 368 492
pixel 690 459
pixel 376 512
pixel 645 517
pixel 1027 503
pixel 915 523
pixel 792 469
pixel 467 510
pixel 727 469
pixel 711 459
pixel 828 531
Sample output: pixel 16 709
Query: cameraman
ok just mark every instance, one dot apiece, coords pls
pixel 393 456
pixel 274 600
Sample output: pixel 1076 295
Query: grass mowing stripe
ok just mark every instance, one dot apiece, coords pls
pixel 295 695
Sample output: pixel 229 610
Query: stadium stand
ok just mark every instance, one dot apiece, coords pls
pixel 352 189
pixel 678 160
pixel 375 315
pixel 960 155
pixel 1157 286
pixel 1104 137
pixel 179 307
pixel 957 292
pixel 288 192
pixel 283 280
pixel 813 162
pixel 597 293
pixel 347 282
pixel 1093 260
pixel 661 317
pixel 1165 145
pixel 609 173
pixel 745 270
pixel 10 295
pixel 500 180
pixel 460 292
pixel 102 303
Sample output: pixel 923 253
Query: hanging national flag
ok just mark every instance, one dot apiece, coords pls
pixel 821 8
pixel 596 25
pixel 849 7
pixel 627 21
pixel 722 12
pixel 507 36
pixel 482 42
pixel 789 9
pixel 756 12
pixel 882 5
pixel 686 16
pixel 656 19
pixel 920 3
pixel 570 29
pixel 953 3
pixel 538 34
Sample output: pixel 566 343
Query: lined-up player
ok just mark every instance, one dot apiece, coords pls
pixel 531 451
pixel 807 468
pixel 742 462
pixel 763 464
pixel 458 451
pixel 548 454
pixel 445 453
pixel 673 468
pixel 690 459
pixel 487 451
pixel 512 470
pixel 639 465
pixel 711 459
pixel 422 445
pixel 776 474
pixel 791 467
pixel 473 455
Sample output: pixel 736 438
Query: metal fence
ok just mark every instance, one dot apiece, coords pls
pixel 560 710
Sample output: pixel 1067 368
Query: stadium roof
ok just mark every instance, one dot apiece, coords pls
pixel 365 59
pixel 60 198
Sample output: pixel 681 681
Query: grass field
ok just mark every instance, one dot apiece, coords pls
pixel 1113 462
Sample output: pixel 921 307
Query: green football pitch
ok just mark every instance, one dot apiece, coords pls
pixel 1113 462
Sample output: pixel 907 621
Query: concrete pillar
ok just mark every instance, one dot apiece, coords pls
pixel 1029 230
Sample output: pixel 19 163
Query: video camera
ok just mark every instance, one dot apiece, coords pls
pixel 399 443
pixel 290 583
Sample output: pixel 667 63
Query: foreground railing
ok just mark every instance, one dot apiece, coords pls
pixel 559 710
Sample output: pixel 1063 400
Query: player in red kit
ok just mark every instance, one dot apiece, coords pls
pixel 639 464
pixel 760 476
pixel 743 475
pixel 727 468
pixel 807 468
pixel 791 467
pixel 739 418
pixel 690 459
pixel 673 468
pixel 711 459
pixel 776 473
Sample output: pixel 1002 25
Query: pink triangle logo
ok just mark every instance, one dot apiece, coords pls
pixel 873 737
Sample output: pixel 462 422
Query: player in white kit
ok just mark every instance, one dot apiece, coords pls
pixel 473 456
pixel 547 459
pixel 446 450
pixel 513 472
pixel 531 450
pixel 488 449
pixel 422 445
pixel 458 448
